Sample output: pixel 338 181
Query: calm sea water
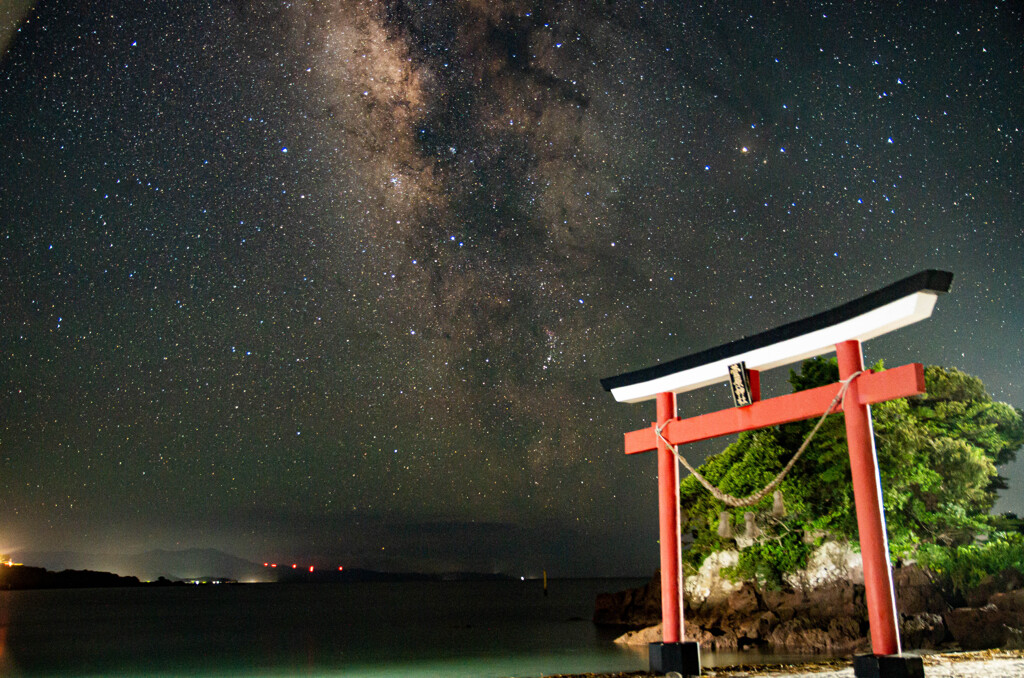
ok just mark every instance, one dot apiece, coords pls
pixel 419 630
pixel 447 629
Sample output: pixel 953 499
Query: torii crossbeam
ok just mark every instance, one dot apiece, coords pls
pixel 842 329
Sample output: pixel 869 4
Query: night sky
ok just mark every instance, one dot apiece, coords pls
pixel 336 281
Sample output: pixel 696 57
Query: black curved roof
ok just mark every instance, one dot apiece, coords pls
pixel 925 281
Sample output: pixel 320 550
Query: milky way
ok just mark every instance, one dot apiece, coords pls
pixel 339 279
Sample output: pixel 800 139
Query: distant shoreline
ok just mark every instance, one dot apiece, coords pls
pixel 27 577
pixel 16 577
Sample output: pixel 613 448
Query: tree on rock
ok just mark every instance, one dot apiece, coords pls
pixel 938 456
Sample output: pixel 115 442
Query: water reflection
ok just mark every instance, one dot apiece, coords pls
pixel 6 667
pixel 456 630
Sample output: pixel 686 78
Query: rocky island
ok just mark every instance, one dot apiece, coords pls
pixel 821 609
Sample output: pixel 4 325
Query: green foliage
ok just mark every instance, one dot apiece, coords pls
pixel 766 561
pixel 1007 522
pixel 962 568
pixel 743 468
pixel 937 456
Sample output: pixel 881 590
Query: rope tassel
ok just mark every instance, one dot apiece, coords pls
pixel 778 507
pixel 725 525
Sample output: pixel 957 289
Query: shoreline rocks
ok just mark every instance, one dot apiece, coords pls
pixel 821 609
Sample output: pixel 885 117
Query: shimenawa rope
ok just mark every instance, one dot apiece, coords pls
pixel 752 499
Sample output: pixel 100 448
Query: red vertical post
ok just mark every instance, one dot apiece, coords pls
pixel 755 385
pixel 668 511
pixel 867 495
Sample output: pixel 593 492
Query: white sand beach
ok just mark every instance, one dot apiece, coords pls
pixel 983 664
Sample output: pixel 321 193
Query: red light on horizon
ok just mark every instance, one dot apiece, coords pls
pixel 273 565
pixel 340 568
pixel 310 568
pixel 294 566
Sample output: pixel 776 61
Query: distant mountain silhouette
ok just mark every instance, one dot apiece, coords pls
pixel 57 561
pixel 208 564
pixel 151 565
pixel 194 564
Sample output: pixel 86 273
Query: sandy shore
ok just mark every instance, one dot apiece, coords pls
pixel 986 664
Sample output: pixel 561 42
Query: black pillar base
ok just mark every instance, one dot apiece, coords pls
pixel 887 666
pixel 683 658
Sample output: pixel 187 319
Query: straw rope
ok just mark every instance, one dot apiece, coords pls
pixel 752 499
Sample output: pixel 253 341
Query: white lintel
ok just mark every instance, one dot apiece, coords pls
pixel 876 322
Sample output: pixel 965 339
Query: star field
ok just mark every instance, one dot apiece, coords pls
pixel 340 279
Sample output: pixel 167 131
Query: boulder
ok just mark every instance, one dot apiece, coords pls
pixel 708 588
pixel 721 640
pixel 705 638
pixel 784 603
pixel 840 635
pixel 837 598
pixel 1014 639
pixel 922 631
pixel 795 635
pixel 632 607
pixel 917 591
pixel 743 602
pixel 1007 580
pixel 1012 601
pixel 651 634
pixel 982 628
pixel 831 562
pixel 757 628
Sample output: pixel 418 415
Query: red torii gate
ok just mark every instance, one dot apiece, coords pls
pixel 842 329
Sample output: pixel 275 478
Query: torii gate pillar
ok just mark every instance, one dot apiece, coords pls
pixel 668 534
pixel 867 495
pixel 672 654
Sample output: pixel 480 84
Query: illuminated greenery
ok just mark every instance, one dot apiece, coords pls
pixel 962 568
pixel 937 455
